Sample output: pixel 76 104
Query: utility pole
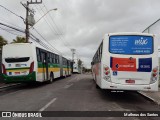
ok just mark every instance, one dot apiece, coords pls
pixel 31 22
pixel 73 52
pixel 27 26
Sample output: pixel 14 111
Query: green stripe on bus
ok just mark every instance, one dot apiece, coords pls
pixel 19 79
pixel 50 65
pixel 17 68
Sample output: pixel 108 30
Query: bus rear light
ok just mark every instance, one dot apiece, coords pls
pixel 154 70
pixel 106 74
pixel 4 69
pixel 31 67
pixel 154 76
pixel 107 68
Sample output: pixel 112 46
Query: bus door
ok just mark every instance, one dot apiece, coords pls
pixel 45 65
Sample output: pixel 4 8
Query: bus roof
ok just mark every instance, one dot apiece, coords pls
pixel 130 33
pixel 31 43
pixel 36 45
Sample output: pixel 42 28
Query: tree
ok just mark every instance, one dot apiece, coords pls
pixel 2 42
pixel 19 40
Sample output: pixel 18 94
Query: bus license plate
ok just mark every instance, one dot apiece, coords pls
pixel 18 65
pixel 130 81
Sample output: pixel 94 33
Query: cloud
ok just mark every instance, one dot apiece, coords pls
pixel 81 24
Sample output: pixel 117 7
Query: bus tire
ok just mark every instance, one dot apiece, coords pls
pixel 97 86
pixel 96 83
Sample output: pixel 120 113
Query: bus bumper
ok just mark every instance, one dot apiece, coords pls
pixel 19 79
pixel 132 87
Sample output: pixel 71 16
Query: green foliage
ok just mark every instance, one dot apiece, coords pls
pixel 19 40
pixel 2 42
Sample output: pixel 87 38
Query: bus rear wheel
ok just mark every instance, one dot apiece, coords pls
pixel 97 86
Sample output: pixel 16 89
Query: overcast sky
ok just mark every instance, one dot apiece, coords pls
pixel 81 24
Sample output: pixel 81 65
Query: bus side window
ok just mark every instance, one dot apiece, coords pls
pixel 53 57
pixel 38 54
pixel 56 59
pixel 63 62
pixel 42 57
pixel 48 54
pixel 50 58
pixel 101 49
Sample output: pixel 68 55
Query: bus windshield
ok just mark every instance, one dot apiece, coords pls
pixel 131 44
pixel 13 60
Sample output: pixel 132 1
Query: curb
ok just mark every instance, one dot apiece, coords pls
pixel 149 98
pixel 9 85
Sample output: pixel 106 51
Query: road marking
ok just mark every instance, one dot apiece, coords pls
pixel 67 86
pixel 48 104
pixel 72 79
pixel 77 79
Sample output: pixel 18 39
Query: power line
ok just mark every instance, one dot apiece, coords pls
pixel 65 43
pixel 12 12
pixel 9 31
pixel 22 30
pixel 41 42
pixel 9 23
pixel 45 20
pixel 53 28
pixel 43 37
pixel 12 27
pixel 47 41
pixel 33 37
pixel 151 25
pixel 19 31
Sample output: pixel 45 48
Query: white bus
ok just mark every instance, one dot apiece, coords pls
pixel 127 61
pixel 159 60
pixel 76 67
pixel 30 62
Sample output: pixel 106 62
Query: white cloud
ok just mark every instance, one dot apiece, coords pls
pixel 82 23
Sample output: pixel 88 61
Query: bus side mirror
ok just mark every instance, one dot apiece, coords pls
pixel 92 63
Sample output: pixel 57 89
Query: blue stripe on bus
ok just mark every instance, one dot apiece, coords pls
pixel 145 65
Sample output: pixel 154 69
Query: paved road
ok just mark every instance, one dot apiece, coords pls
pixel 75 93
